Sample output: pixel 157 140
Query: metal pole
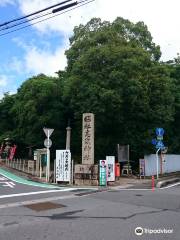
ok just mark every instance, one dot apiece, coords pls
pixel 128 158
pixel 72 171
pixel 157 162
pixel 40 166
pixel 54 170
pixel 48 165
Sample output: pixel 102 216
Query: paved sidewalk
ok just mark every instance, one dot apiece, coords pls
pixel 131 182
pixel 123 182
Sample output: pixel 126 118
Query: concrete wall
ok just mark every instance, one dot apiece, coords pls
pixel 171 164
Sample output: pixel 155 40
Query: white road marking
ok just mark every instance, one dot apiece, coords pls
pixel 8 184
pixel 42 192
pixel 172 185
pixel 34 193
pixel 3 179
pixel 30 183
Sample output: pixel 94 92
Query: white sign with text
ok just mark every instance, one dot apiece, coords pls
pixel 110 168
pixel 63 165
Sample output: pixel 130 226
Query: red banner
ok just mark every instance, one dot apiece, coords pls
pixel 12 152
pixel 1 148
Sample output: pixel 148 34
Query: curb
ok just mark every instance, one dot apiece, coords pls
pixel 167 182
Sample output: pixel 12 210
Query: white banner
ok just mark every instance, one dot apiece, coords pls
pixel 63 165
pixel 111 168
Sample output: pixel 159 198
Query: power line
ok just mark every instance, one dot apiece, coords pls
pixel 82 3
pixel 23 22
pixel 34 13
pixel 39 16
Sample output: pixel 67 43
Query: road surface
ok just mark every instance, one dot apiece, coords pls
pixel 83 215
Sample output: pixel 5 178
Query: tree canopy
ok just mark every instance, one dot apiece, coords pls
pixel 114 71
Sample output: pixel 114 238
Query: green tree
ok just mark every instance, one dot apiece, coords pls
pixel 38 104
pixel 114 72
pixel 6 124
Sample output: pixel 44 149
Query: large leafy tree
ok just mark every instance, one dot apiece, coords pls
pixel 38 104
pixel 174 130
pixel 114 72
pixel 6 123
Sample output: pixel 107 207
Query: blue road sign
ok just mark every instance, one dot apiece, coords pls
pixel 159 131
pixel 154 141
pixel 160 144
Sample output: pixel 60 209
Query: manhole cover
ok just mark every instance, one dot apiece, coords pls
pixel 138 195
pixel 44 206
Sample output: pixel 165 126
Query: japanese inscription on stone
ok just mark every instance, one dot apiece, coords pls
pixel 88 138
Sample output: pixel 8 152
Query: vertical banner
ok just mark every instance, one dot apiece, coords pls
pixel 88 138
pixel 63 165
pixel 1 149
pixel 110 168
pixel 12 152
pixel 142 168
pixel 102 172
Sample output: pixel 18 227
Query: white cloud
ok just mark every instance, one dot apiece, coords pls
pixel 39 60
pixel 16 65
pixel 47 62
pixel 162 18
pixel 3 81
pixel 7 82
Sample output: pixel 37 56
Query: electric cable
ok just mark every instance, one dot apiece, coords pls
pixel 85 2
pixel 34 13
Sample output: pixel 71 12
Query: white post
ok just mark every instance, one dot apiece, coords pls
pixel 54 170
pixel 40 170
pixel 72 171
pixel 20 164
pixel 48 164
pixel 23 166
pixel 48 159
pixel 68 138
pixel 157 162
pixel 48 133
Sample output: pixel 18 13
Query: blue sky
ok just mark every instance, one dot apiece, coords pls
pixel 40 48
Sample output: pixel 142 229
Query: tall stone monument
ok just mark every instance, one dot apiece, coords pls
pixel 88 138
pixel 87 173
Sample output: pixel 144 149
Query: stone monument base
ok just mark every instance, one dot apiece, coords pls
pixel 86 174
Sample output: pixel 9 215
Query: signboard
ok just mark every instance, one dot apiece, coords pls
pixel 142 168
pixel 102 172
pixel 160 144
pixel 110 168
pixel 47 143
pixel 63 165
pixel 123 153
pixel 88 138
pixel 48 131
pixel 159 132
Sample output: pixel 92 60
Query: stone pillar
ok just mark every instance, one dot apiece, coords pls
pixel 88 138
pixel 68 138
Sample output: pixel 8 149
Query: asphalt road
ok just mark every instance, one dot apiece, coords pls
pixel 111 215
pixel 14 189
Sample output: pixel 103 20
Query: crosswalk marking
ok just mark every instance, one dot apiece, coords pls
pixel 7 183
